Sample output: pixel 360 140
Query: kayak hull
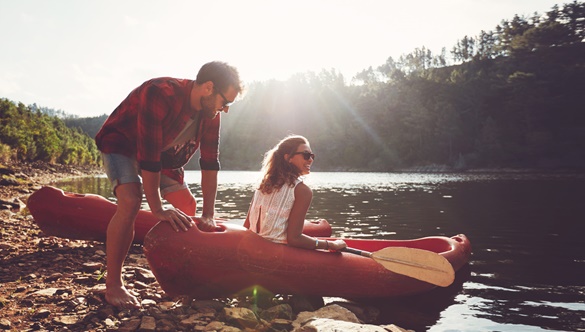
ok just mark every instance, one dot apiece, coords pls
pixel 86 216
pixel 234 261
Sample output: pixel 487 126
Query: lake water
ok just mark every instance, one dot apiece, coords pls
pixel 527 271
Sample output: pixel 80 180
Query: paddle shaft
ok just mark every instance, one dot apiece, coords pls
pixel 358 252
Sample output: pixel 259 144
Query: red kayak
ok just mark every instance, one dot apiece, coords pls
pixel 86 216
pixel 233 260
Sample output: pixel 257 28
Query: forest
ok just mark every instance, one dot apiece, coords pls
pixel 508 98
pixel 30 133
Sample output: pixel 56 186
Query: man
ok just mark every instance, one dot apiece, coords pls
pixel 153 133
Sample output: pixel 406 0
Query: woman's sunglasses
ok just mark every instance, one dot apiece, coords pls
pixel 306 155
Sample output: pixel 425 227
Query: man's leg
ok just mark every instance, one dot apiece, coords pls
pixel 123 173
pixel 120 234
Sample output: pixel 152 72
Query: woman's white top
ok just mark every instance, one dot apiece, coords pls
pixel 271 212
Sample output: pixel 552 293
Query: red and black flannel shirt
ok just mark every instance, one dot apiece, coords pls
pixel 150 118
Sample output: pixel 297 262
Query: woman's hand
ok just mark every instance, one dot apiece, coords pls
pixel 336 245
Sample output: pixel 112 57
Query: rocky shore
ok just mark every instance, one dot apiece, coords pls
pixel 55 284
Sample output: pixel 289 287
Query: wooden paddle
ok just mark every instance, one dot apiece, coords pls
pixel 416 263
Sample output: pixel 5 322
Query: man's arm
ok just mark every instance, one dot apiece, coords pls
pixel 209 192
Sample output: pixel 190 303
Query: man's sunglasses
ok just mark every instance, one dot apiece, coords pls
pixel 306 155
pixel 226 102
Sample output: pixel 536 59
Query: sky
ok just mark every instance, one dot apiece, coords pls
pixel 83 57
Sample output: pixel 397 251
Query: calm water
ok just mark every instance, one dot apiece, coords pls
pixel 527 272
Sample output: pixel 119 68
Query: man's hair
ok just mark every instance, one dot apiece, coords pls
pixel 221 74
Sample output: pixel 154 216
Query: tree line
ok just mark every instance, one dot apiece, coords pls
pixel 511 97
pixel 29 133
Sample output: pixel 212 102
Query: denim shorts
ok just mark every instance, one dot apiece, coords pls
pixel 121 169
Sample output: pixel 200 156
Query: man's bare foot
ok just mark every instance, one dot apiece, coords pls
pixel 121 298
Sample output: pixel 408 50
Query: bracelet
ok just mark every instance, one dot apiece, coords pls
pixel 317 244
pixel 326 245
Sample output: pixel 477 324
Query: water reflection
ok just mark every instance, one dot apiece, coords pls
pixel 526 272
pixel 88 185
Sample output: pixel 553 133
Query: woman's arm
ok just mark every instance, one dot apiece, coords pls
pixel 296 221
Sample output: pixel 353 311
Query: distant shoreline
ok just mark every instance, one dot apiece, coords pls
pixel 19 179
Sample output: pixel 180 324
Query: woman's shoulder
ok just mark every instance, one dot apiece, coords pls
pixel 302 189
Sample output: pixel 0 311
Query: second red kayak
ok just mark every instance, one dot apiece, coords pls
pixel 86 216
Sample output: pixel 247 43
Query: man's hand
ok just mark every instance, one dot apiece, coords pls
pixel 176 218
pixel 206 224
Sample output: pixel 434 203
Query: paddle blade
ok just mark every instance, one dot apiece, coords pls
pixel 417 263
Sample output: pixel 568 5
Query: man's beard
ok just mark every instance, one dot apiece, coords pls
pixel 208 107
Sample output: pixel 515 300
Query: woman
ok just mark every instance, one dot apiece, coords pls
pixel 280 204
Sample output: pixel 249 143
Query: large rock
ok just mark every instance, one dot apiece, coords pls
pixel 243 317
pixel 281 311
pixel 366 314
pixel 332 312
pixel 332 325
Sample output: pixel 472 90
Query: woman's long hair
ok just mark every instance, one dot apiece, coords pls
pixel 278 171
